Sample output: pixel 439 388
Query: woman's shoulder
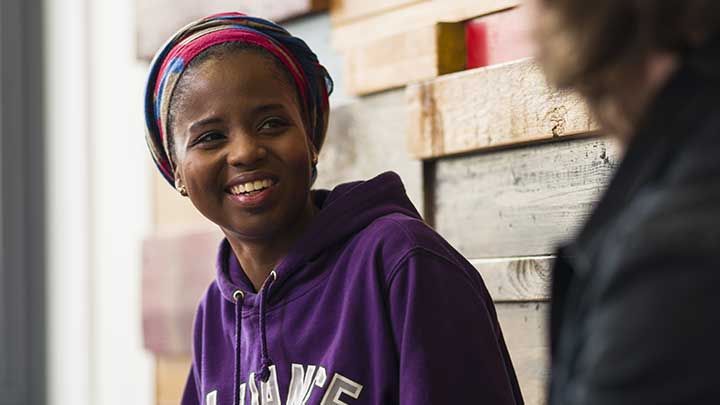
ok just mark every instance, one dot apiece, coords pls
pixel 398 236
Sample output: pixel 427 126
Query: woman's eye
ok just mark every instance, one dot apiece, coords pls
pixel 273 125
pixel 208 137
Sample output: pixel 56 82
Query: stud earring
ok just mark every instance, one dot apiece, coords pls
pixel 181 188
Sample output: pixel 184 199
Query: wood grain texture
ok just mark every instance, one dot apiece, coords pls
pixel 413 17
pixel 489 107
pixel 519 202
pixel 525 333
pixel 516 279
pixel 400 59
pixel 344 11
pixel 177 270
pixel 157 20
pixel 171 374
pixel 364 139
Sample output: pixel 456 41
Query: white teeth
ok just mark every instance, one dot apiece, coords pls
pixel 251 186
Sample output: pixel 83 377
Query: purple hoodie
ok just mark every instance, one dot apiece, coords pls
pixel 370 306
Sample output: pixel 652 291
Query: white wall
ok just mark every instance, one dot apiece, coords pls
pixel 98 171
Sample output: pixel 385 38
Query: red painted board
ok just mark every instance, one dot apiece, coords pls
pixel 177 269
pixel 497 38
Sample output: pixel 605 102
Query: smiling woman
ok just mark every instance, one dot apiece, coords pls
pixel 322 297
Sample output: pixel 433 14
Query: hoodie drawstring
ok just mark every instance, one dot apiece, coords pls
pixel 265 361
pixel 238 296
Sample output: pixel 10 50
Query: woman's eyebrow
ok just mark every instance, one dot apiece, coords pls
pixel 203 122
pixel 268 107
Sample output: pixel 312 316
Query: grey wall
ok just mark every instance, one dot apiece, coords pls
pixel 22 250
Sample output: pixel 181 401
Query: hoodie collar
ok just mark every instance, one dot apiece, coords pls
pixel 344 212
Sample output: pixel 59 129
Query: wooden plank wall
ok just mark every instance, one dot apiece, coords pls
pixel 502 165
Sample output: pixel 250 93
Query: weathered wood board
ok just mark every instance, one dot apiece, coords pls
pixel 413 17
pixel 490 107
pixel 344 11
pixel 521 201
pixel 364 139
pixel 171 373
pixel 516 279
pixel 158 19
pixel 397 60
pixel 498 38
pixel 177 270
pixel 524 328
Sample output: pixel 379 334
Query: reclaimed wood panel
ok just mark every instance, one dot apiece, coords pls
pixel 490 107
pixel 414 17
pixel 157 20
pixel 516 279
pixel 522 201
pixel 344 11
pixel 498 38
pixel 170 376
pixel 525 332
pixel 364 139
pixel 400 59
pixel 177 270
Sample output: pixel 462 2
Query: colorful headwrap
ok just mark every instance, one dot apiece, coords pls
pixel 311 79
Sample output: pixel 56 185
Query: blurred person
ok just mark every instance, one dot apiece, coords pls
pixel 634 316
pixel 322 297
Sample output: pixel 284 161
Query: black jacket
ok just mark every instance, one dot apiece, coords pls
pixel 635 314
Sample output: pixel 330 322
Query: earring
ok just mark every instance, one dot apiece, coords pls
pixel 181 188
pixel 315 158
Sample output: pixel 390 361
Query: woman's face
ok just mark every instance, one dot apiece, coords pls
pixel 240 145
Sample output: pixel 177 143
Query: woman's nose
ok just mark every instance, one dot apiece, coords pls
pixel 245 150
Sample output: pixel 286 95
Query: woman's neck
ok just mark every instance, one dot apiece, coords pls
pixel 259 257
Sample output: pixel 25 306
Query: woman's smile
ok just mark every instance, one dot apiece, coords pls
pixel 252 190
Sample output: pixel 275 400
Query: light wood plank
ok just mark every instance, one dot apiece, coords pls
pixel 490 107
pixel 516 279
pixel 155 24
pixel 364 139
pixel 519 202
pixel 524 328
pixel 170 376
pixel 411 18
pixel 344 11
pixel 400 59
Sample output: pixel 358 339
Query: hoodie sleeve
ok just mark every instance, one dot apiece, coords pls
pixel 450 345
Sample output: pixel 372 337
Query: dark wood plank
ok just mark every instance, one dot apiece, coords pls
pixel 519 202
